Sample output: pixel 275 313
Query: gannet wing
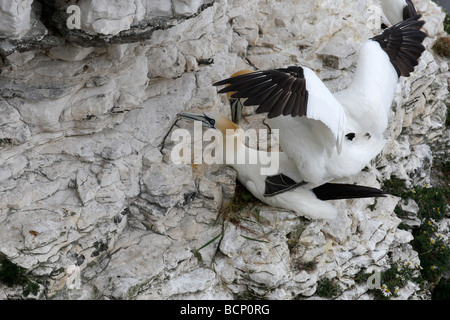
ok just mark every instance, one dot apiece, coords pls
pixel 337 191
pixel 293 91
pixel 403 44
pixel 280 183
pixel 381 61
pixel 409 10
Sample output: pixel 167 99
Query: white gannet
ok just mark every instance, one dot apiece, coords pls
pixel 333 136
pixel 304 199
pixel 395 11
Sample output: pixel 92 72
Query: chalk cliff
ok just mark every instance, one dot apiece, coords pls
pixel 90 201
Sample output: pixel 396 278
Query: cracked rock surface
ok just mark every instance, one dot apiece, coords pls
pixel 87 185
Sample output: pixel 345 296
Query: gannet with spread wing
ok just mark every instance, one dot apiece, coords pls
pixel 395 11
pixel 330 136
pixel 305 199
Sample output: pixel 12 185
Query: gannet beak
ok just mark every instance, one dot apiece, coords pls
pixel 236 110
pixel 203 118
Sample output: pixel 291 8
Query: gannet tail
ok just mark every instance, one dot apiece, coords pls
pixel 336 191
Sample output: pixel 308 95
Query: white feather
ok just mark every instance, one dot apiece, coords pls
pixel 324 107
pixel 368 99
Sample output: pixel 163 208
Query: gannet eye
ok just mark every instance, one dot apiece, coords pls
pixel 211 121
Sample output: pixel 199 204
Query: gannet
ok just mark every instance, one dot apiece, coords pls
pixel 395 11
pixel 334 136
pixel 306 200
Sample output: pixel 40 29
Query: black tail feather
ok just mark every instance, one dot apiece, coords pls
pixel 337 191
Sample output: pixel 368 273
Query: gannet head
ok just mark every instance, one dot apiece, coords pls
pixel 238 73
pixel 212 120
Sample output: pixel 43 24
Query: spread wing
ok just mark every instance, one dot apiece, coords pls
pixel 277 92
pixel 403 44
pixel 291 92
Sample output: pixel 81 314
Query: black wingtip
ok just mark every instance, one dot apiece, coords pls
pixel 409 10
pixel 280 91
pixel 403 44
pixel 221 82
pixel 234 79
pixel 280 183
pixel 339 191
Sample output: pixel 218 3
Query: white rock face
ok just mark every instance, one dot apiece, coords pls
pixel 111 17
pixel 158 8
pixel 89 193
pixel 15 17
pixel 108 17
